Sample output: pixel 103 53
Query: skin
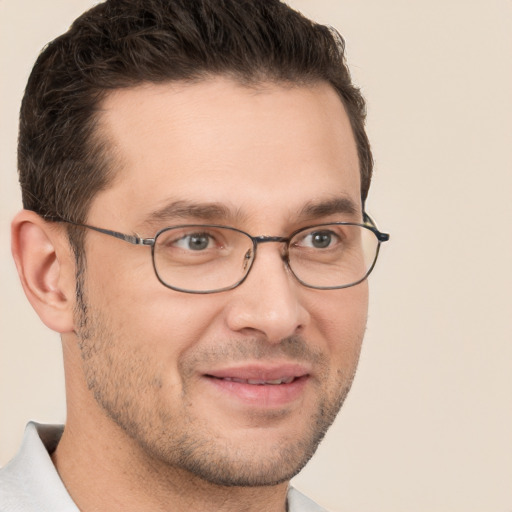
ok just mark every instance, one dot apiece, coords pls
pixel 147 424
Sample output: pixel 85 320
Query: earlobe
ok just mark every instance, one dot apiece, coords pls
pixel 46 269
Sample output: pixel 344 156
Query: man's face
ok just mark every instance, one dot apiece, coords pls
pixel 236 387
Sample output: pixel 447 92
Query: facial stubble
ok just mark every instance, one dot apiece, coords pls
pixel 125 383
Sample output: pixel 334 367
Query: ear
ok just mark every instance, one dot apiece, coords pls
pixel 46 267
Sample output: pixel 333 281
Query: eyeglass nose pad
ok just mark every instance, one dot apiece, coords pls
pixel 285 254
pixel 247 258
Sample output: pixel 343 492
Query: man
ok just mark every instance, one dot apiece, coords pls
pixel 194 176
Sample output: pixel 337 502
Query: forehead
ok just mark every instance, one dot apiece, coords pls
pixel 271 147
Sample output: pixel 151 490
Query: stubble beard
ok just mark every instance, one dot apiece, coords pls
pixel 122 381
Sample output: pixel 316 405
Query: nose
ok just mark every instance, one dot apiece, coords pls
pixel 268 303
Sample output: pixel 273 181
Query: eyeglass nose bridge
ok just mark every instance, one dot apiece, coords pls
pixel 263 239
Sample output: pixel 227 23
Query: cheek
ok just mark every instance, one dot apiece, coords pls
pixel 341 321
pixel 144 314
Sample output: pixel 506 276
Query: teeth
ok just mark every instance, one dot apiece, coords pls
pixel 260 382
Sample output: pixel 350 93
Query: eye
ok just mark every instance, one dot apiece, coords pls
pixel 195 242
pixel 318 239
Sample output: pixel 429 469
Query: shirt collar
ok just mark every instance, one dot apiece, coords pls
pixel 31 480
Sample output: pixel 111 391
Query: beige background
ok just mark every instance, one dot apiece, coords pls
pixel 428 425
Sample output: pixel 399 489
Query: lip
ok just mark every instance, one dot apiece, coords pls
pixel 259 385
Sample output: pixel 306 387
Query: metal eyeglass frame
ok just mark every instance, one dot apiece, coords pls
pixel 368 223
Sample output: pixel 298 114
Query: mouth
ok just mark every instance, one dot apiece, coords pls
pixel 264 387
pixel 260 382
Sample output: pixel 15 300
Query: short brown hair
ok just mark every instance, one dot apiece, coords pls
pixel 123 43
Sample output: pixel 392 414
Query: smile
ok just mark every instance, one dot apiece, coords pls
pixel 259 385
pixel 260 382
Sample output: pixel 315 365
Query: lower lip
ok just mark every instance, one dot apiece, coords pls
pixel 261 395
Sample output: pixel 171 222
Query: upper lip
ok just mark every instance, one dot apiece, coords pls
pixel 261 372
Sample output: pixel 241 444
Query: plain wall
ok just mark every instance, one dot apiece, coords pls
pixel 428 424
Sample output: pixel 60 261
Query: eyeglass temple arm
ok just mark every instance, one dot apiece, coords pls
pixel 132 239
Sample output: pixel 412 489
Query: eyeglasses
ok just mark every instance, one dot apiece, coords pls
pixel 209 258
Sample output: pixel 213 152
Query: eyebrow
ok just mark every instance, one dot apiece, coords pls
pixel 182 209
pixel 334 206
